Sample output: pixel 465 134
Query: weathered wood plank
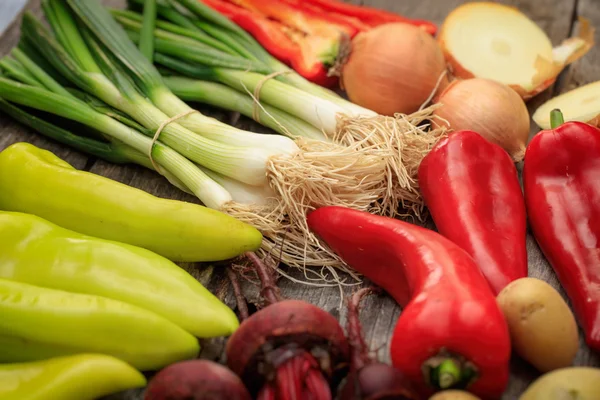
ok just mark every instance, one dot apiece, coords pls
pixel 587 69
pixel 8 10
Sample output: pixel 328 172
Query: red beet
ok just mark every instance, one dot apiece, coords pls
pixel 288 350
pixel 370 379
pixel 196 380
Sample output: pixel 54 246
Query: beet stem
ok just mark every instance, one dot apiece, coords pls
pixel 242 305
pixel 359 349
pixel 270 292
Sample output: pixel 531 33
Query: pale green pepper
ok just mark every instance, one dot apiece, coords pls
pixel 78 377
pixel 35 251
pixel 35 181
pixel 38 323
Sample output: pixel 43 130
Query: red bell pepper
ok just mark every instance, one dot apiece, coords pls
pixel 451 332
pixel 471 188
pixel 305 35
pixel 562 192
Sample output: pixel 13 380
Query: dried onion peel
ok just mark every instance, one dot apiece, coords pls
pixel 494 41
pixel 492 109
pixel 581 104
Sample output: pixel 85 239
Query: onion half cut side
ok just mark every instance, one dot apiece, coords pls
pixel 498 42
pixel 581 104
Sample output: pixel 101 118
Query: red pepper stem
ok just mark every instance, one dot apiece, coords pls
pixel 556 118
pixel 448 374
pixel 446 371
pixel 270 292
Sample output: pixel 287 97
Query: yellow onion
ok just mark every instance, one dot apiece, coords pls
pixel 492 109
pixel 393 68
pixel 499 42
pixel 581 104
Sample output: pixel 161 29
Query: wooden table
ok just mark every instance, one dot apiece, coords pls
pixel 557 17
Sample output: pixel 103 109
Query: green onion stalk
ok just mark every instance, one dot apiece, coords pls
pixel 268 180
pixel 402 140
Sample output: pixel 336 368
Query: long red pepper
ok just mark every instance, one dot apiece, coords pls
pixel 451 332
pixel 307 43
pixel 307 35
pixel 562 191
pixel 471 188
pixel 368 15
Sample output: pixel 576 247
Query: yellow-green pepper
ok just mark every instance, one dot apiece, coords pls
pixel 35 181
pixel 35 251
pixel 78 377
pixel 38 323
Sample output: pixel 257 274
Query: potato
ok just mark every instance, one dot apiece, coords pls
pixel 454 395
pixel 542 327
pixel 581 383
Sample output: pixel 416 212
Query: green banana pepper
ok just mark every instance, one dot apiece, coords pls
pixel 78 377
pixel 38 323
pixel 35 181
pixel 35 251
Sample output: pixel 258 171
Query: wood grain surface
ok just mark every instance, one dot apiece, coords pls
pixel 379 314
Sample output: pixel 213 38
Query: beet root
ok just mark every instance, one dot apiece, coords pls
pixel 377 381
pixel 289 345
pixel 196 380
pixel 370 379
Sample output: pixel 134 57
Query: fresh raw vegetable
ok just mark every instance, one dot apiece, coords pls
pixel 581 104
pixel 362 15
pixel 542 327
pixel 388 75
pixel 37 252
pixel 37 182
pixel 228 98
pixel 562 194
pixel 369 379
pixel 308 36
pixel 492 109
pixel 39 323
pixel 289 349
pixel 495 41
pixel 471 188
pixel 454 395
pixel 451 332
pixel 581 383
pixel 146 45
pixel 197 380
pixel 81 377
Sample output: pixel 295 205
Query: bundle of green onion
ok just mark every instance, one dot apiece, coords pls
pixel 198 49
pixel 88 70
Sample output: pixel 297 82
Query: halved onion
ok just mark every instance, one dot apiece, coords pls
pixel 581 104
pixel 494 41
